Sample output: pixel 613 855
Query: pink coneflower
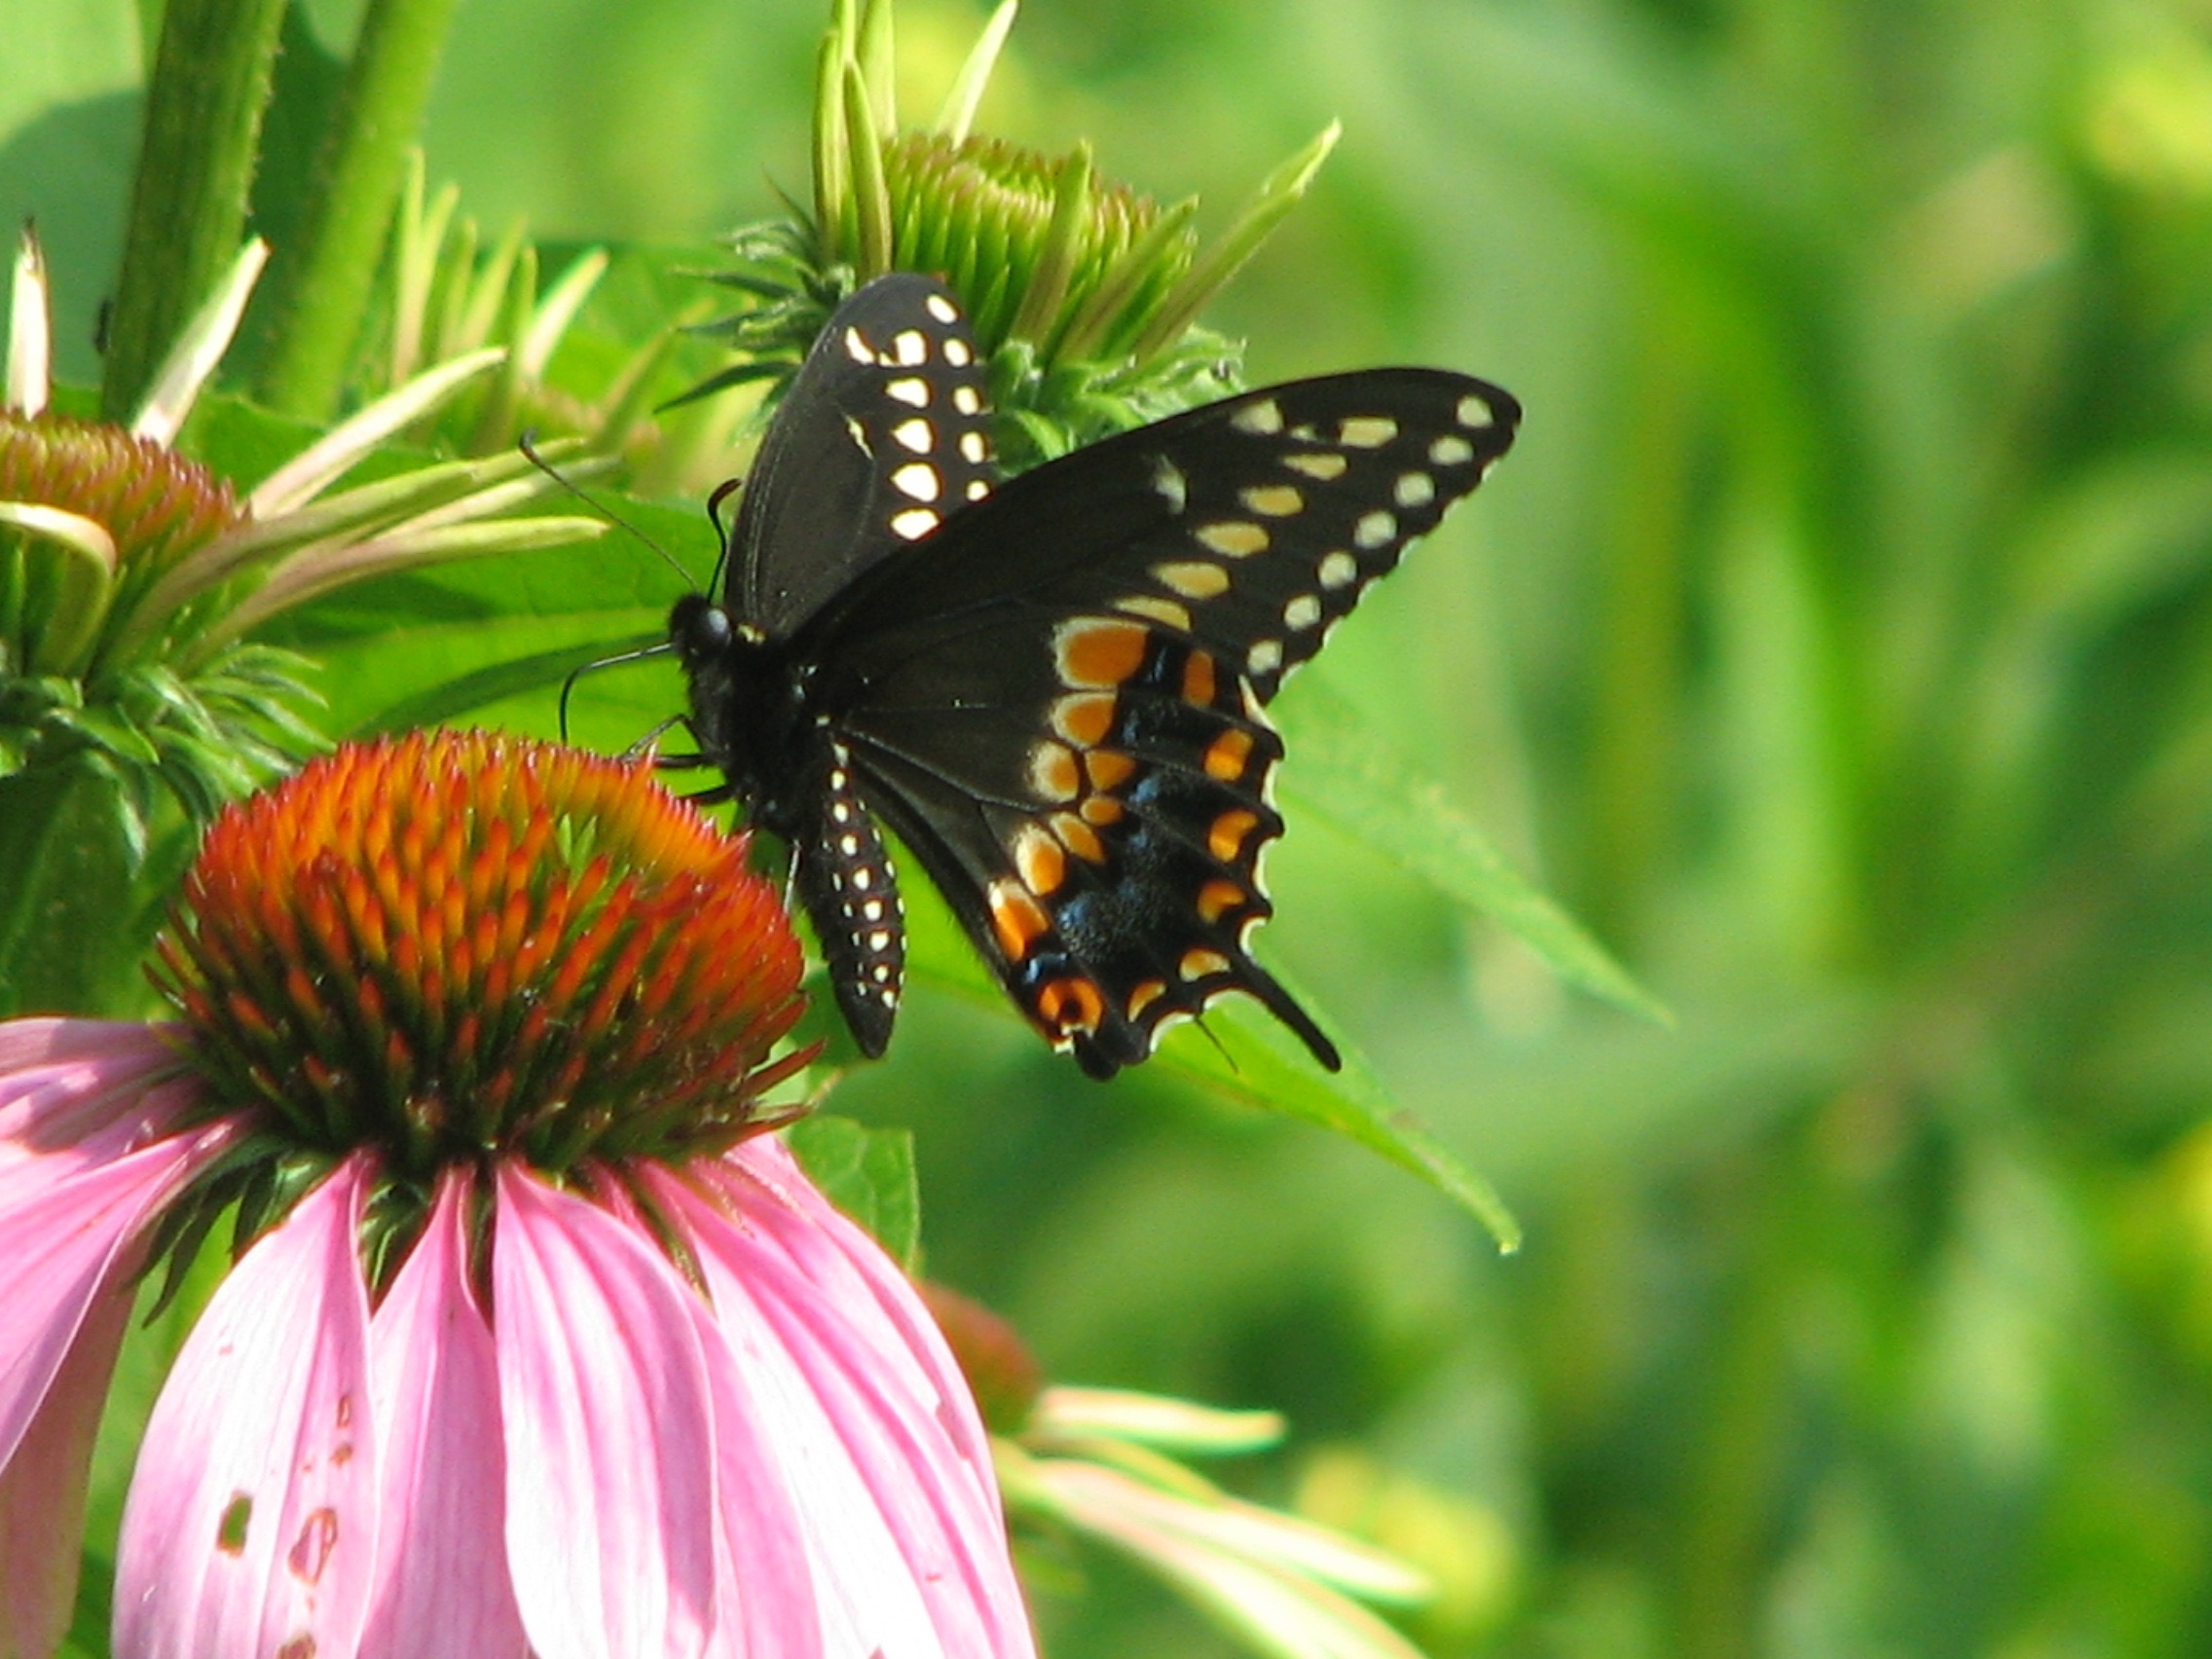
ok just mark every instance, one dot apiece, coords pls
pixel 540 1343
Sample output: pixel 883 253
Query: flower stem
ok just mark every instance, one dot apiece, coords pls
pixel 323 290
pixel 203 108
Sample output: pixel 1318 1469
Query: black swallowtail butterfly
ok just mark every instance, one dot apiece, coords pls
pixel 1053 689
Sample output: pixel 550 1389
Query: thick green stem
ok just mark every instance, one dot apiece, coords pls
pixel 196 164
pixel 322 290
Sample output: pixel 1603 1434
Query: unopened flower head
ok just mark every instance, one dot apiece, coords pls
pixel 535 1341
pixel 131 575
pixel 1084 294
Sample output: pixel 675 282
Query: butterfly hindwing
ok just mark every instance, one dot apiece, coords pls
pixel 883 433
pixel 1058 698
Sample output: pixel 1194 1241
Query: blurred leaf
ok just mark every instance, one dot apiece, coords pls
pixel 869 1174
pixel 1240 1053
pixel 1341 770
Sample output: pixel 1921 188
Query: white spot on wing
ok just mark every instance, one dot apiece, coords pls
pixel 1365 431
pixel 1375 530
pixel 910 389
pixel 1302 612
pixel 1235 538
pixel 918 480
pixel 1157 610
pixel 1275 501
pixel 1326 464
pixel 1476 412
pixel 943 309
pixel 1168 478
pixel 1339 570
pixel 967 399
pixel 1414 489
pixel 956 354
pixel 1262 419
pixel 910 347
pixel 1265 658
pixel 914 523
pixel 1451 449
pixel 1192 578
pixel 915 434
pixel 973 448
pixel 857 346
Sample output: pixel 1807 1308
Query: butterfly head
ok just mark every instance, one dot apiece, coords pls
pixel 700 630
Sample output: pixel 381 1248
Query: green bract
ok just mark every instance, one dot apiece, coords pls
pixel 1084 293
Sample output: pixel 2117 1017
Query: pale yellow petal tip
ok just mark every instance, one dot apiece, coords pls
pixel 198 349
pixel 30 328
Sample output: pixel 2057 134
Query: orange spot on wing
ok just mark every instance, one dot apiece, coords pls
pixel 1078 838
pixel 1216 899
pixel 1017 918
pixel 1201 964
pixel 1109 768
pixel 1068 1005
pixel 1052 772
pixel 1225 838
pixel 1199 684
pixel 1144 995
pixel 1041 861
pixel 1227 754
pixel 1096 652
pixel 1086 719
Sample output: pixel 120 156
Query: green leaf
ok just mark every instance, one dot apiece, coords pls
pixel 1341 770
pixel 869 1174
pixel 1241 1052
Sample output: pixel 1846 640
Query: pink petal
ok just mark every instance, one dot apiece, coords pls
pixel 251 1524
pixel 871 1423
pixel 43 1488
pixel 25 1042
pixel 90 1106
pixel 63 1241
pixel 442 1586
pixel 611 1432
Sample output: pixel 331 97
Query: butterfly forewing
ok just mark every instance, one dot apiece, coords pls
pixel 1065 685
pixel 884 434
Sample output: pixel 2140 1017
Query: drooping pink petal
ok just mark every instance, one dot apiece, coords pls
pixel 63 1240
pixel 442 1586
pixel 43 1486
pixel 609 1432
pixel 49 1041
pixel 874 1428
pixel 250 1529
pixel 85 1088
pixel 764 1599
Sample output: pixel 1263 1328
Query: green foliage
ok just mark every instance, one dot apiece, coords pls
pixel 1835 646
pixel 869 1174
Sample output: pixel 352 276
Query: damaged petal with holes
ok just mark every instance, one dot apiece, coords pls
pixel 537 1341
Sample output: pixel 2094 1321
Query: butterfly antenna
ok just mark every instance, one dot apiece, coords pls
pixel 723 490
pixel 569 685
pixel 528 443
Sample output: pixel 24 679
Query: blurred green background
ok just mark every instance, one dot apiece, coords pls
pixel 1837 645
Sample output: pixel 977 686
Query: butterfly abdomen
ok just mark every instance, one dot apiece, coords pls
pixel 851 894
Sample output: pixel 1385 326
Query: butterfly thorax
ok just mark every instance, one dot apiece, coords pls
pixel 748 711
